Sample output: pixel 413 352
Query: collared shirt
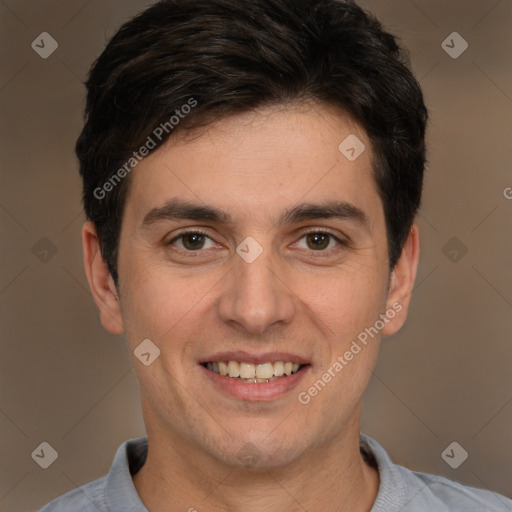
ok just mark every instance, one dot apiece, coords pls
pixel 400 490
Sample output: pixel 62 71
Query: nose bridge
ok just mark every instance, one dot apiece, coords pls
pixel 256 297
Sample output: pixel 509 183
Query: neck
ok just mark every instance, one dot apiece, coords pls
pixel 332 476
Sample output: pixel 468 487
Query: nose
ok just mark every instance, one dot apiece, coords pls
pixel 256 295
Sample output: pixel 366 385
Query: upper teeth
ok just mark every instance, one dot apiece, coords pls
pixel 251 371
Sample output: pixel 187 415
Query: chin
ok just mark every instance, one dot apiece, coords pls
pixel 259 455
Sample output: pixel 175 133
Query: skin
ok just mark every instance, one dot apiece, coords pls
pixel 293 297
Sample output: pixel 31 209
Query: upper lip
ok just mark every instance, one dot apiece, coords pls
pixel 246 357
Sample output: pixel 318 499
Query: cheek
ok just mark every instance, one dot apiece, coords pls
pixel 346 299
pixel 164 307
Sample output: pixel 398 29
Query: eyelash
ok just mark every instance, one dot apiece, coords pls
pixel 341 243
pixel 188 232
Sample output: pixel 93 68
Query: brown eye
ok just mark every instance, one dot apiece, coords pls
pixel 321 242
pixel 318 241
pixel 192 241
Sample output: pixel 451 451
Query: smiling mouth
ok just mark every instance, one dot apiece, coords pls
pixel 254 373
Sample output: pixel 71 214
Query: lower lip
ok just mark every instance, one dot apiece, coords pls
pixel 256 391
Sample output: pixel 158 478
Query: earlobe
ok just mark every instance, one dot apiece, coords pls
pixel 402 283
pixel 100 281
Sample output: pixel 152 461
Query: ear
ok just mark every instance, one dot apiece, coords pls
pixel 102 285
pixel 402 282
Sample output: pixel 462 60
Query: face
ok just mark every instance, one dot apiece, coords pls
pixel 256 247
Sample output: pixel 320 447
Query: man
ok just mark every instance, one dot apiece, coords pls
pixel 252 172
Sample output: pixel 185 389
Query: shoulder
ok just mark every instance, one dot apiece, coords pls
pixel 88 497
pixel 114 491
pixel 408 491
pixel 434 490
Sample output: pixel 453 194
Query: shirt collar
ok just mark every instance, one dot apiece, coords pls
pixel 120 492
pixel 392 495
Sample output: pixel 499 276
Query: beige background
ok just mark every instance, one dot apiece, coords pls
pixel 445 377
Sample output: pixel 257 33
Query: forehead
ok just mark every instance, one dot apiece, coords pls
pixel 258 164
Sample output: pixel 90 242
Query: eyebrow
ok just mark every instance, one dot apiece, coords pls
pixel 178 209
